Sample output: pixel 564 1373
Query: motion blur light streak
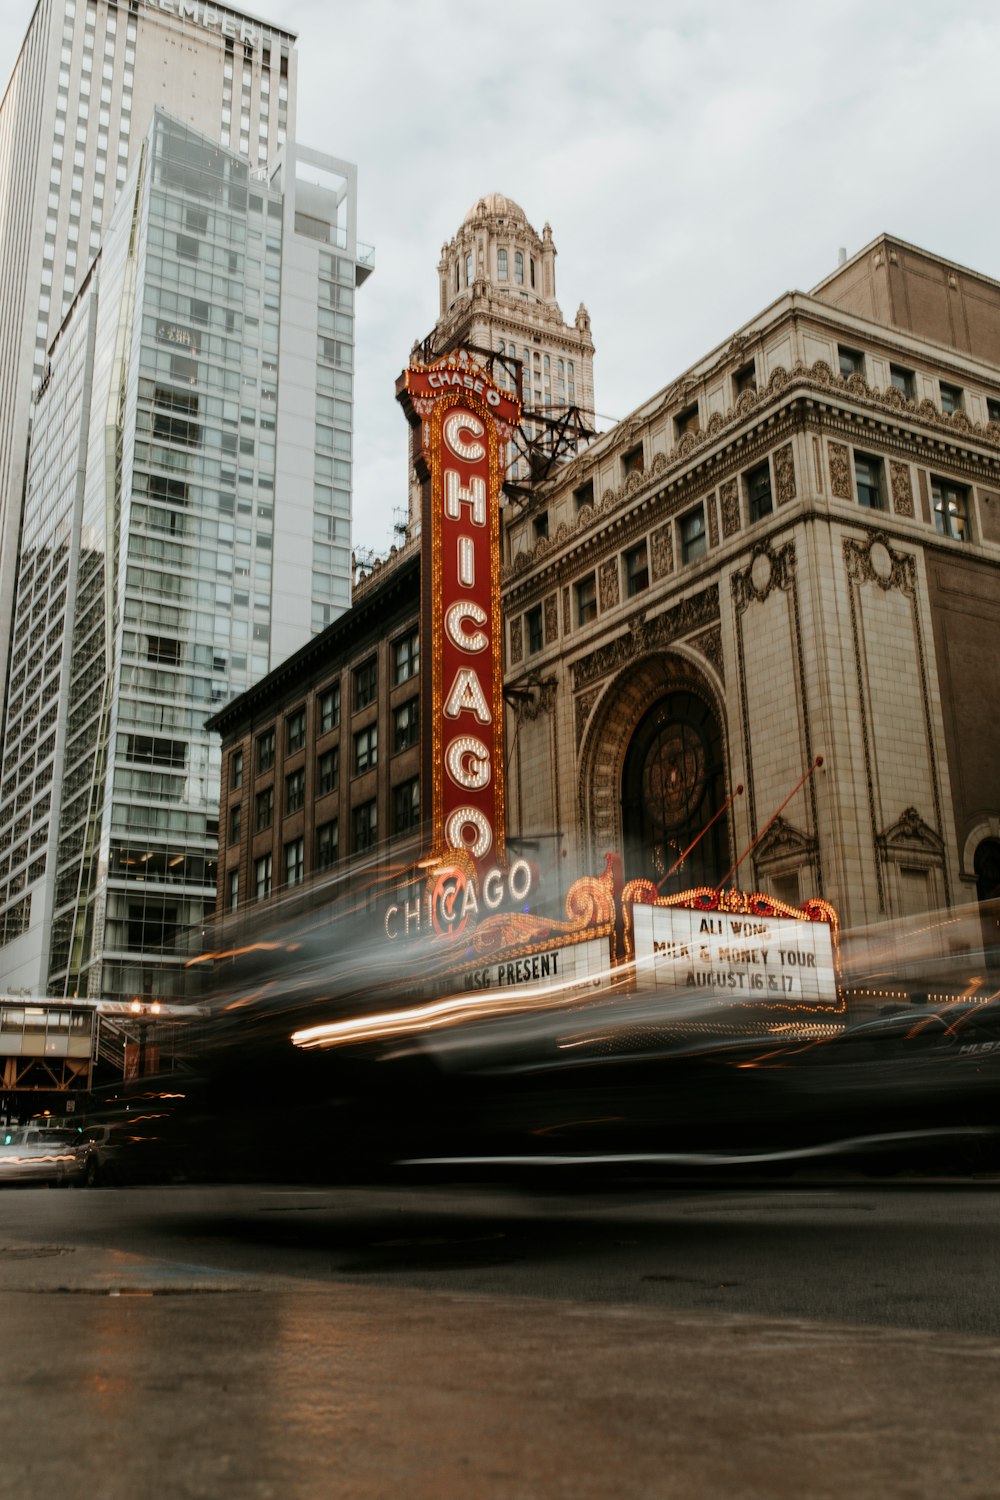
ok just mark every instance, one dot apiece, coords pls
pixel 482 1005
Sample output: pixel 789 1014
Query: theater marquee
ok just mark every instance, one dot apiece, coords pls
pixel 733 947
pixel 465 423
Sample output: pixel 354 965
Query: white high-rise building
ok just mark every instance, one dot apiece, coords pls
pixel 78 104
pixel 186 528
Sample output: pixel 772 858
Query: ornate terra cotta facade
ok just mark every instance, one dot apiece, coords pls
pixel 792 552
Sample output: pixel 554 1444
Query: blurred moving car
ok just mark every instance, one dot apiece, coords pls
pixel 32 1154
pixel 100 1149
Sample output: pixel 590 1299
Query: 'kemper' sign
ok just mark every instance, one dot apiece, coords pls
pixel 466 422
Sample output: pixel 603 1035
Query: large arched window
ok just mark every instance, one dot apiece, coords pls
pixel 673 782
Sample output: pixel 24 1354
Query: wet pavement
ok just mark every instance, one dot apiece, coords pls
pixel 374 1343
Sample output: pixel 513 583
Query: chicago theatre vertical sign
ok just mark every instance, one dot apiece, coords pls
pixel 465 422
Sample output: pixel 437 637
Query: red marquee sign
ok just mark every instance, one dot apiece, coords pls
pixel 465 423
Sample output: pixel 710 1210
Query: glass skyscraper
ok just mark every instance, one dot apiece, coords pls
pixel 74 113
pixel 186 527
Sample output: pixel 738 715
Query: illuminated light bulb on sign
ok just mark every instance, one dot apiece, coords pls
pixel 467 696
pixel 469 817
pixel 456 494
pixel 454 426
pixel 468 762
pixel 466 562
pixel 466 609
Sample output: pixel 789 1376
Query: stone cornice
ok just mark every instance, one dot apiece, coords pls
pixel 715 446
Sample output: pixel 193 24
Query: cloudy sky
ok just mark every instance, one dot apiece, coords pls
pixel 695 160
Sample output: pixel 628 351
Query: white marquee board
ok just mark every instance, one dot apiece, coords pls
pixel 738 959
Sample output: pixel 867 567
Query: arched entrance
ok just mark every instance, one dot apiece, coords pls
pixel 673 783
pixel 986 864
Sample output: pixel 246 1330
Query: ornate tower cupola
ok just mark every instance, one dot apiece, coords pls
pixel 497 290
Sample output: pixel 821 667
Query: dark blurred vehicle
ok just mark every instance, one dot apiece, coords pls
pixel 34 1154
pixel 102 1153
pixel 135 1139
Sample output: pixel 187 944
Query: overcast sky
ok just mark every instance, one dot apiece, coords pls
pixel 695 160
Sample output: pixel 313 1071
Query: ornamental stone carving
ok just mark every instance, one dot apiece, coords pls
pixel 767 570
pixel 713 523
pixel 910 834
pixel 542 700
pixel 901 486
pixel 709 643
pixel 840 471
pixel 581 709
pixel 874 561
pixel 783 840
pixel 729 499
pixel 608 584
pixel 567 617
pixel 784 474
pixel 661 546
pixel 516 642
pixel 551 618
pixel 644 636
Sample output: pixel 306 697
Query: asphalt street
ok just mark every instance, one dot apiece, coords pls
pixel 814 1340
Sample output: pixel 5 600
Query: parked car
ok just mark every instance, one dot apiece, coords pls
pixel 32 1154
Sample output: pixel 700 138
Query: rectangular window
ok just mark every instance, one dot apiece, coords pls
pixel 236 769
pixel 162 649
pixel 364 826
pixel 265 751
pixel 759 500
pixel 951 398
pixel 636 570
pixel 406 806
pixel 992 409
pixel 262 877
pixel 263 809
pixel 632 461
pixel 694 542
pixel 502 264
pixel 745 380
pixel 951 509
pixel 329 708
pixel 540 525
pixel 233 890
pixel 533 627
pixel 586 600
pixel 295 862
pixel 295 730
pixel 405 725
pixel 327 845
pixel 852 361
pixel 904 380
pixel 868 478
pixel 328 771
pixel 295 790
pixel 406 658
pixel 365 683
pixel 365 749
pixel 584 494
pixel 518 267
pixel 686 421
pixel 234 825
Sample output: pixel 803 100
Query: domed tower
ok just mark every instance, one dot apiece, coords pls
pixel 497 289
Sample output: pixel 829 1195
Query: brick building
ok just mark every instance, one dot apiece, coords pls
pixel 321 757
